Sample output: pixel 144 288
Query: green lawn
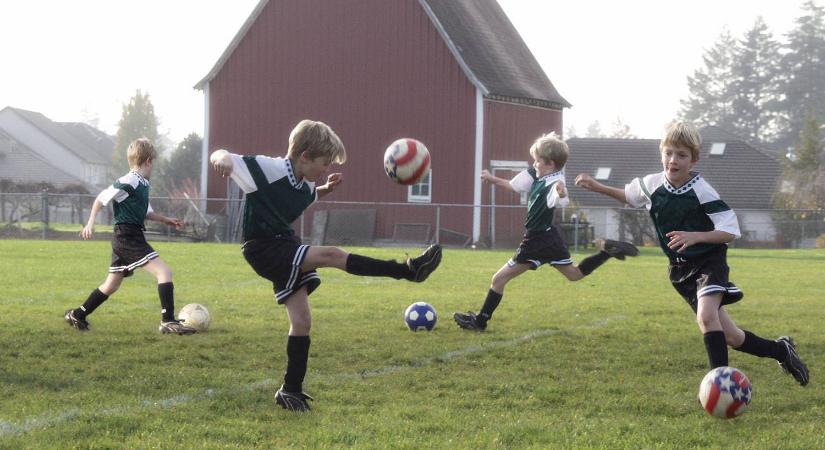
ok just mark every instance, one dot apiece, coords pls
pixel 613 361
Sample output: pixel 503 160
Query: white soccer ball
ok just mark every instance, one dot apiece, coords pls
pixel 406 161
pixel 196 316
pixel 725 392
pixel 420 316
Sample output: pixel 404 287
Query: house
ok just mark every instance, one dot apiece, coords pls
pixel 454 74
pixel 58 149
pixel 21 165
pixel 746 177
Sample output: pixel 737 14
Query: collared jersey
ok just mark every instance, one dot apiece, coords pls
pixel 695 206
pixel 131 198
pixel 274 197
pixel 543 197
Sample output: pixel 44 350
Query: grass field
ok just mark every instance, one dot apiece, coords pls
pixel 613 361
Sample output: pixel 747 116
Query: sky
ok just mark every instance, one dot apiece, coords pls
pixel 82 60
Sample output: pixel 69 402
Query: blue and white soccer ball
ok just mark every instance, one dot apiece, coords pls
pixel 725 392
pixel 420 316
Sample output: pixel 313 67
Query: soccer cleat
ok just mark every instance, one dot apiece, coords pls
pixel 292 401
pixel 74 322
pixel 175 327
pixel 469 321
pixel 617 249
pixel 422 266
pixel 793 364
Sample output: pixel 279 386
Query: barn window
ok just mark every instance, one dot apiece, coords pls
pixel 421 192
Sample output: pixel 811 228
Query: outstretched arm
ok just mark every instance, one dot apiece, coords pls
pixel 89 230
pixel 500 182
pixel 177 223
pixel 586 181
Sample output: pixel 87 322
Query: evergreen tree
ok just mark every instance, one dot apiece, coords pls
pixel 183 164
pixel 803 66
pixel 594 130
pixel 621 130
pixel 138 120
pixel 754 85
pixel 710 100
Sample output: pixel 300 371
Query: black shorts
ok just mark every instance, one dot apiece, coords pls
pixel 279 260
pixel 541 247
pixel 129 249
pixel 703 275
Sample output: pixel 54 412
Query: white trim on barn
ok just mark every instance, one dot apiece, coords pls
pixel 479 157
pixel 205 147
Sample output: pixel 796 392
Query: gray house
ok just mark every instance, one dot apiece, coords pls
pixel 745 177
pixel 33 149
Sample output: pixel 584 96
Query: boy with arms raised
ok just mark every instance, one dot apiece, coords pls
pixel 542 243
pixel 278 190
pixel 130 197
pixel 694 227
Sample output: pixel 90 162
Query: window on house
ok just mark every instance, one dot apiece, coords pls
pixel 603 173
pixel 718 148
pixel 421 192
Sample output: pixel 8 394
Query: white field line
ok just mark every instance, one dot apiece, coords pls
pixel 37 423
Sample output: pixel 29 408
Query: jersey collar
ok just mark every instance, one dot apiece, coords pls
pixel 560 173
pixel 685 187
pixel 140 177
pixel 291 175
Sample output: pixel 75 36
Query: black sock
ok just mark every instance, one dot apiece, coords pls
pixel 592 262
pixel 96 298
pixel 717 348
pixel 366 266
pixel 490 305
pixel 166 291
pixel 762 347
pixel 297 353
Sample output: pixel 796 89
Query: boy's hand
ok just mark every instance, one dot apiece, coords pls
pixel 221 162
pixel 485 176
pixel 87 232
pixel 681 240
pixel 584 180
pixel 334 179
pixel 177 223
pixel 561 189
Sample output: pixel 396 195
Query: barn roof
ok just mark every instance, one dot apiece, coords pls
pixel 744 176
pixel 484 42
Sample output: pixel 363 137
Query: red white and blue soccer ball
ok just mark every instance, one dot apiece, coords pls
pixel 725 392
pixel 406 161
pixel 420 316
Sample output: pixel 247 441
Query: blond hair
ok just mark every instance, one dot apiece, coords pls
pixel 683 135
pixel 318 140
pixel 550 147
pixel 139 152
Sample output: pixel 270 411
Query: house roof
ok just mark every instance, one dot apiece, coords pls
pixel 100 142
pixel 744 176
pixel 484 42
pixel 68 137
pixel 21 164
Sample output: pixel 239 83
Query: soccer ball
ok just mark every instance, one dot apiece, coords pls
pixel 420 316
pixel 406 161
pixel 725 392
pixel 196 316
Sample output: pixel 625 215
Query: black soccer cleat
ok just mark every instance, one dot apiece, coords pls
pixel 469 321
pixel 617 249
pixel 793 364
pixel 74 322
pixel 292 401
pixel 175 327
pixel 422 266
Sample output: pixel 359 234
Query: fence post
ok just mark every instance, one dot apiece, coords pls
pixel 44 213
pixel 575 232
pixel 438 224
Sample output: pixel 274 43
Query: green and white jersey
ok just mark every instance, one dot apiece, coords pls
pixel 130 194
pixel 543 197
pixel 274 197
pixel 695 206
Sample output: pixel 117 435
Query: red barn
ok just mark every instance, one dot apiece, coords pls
pixel 454 74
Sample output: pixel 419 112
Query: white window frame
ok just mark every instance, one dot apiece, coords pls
pixel 603 173
pixel 426 180
pixel 717 148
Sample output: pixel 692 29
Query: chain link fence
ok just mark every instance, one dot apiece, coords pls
pixel 61 216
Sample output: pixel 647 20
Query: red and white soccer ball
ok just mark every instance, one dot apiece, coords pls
pixel 725 392
pixel 406 161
